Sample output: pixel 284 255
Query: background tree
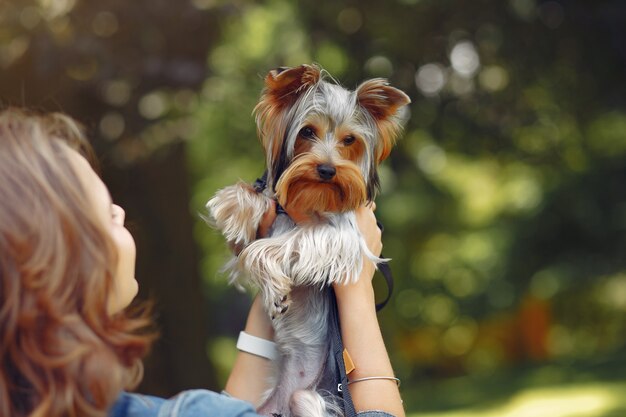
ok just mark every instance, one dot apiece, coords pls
pixel 115 66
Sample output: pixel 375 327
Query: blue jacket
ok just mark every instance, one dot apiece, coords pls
pixel 193 403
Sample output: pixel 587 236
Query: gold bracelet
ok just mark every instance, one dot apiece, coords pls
pixel 369 378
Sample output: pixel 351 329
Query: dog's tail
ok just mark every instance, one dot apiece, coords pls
pixel 308 403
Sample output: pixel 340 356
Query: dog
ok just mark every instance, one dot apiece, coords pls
pixel 323 144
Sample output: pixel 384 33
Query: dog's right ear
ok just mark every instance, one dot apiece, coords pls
pixel 382 102
pixel 284 85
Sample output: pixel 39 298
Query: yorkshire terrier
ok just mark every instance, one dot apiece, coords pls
pixel 323 145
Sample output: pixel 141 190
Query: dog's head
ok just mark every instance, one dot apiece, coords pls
pixel 323 143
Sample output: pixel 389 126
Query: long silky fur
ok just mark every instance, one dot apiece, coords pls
pixel 237 211
pixel 310 255
pixel 294 265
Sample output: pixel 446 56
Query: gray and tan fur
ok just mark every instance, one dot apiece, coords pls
pixel 323 145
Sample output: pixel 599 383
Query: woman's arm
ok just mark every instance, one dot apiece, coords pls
pixel 361 333
pixel 250 373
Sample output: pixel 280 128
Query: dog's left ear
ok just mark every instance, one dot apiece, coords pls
pixel 382 102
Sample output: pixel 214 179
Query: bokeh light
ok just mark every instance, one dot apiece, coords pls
pixel 379 66
pixel 464 59
pixel 53 9
pixel 430 79
pixel 493 78
pixel 105 24
pixel 116 92
pixel 112 125
pixel 350 20
pixel 153 105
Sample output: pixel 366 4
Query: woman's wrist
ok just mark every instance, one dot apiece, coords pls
pixel 248 378
pixel 259 323
pixel 362 287
pixel 376 387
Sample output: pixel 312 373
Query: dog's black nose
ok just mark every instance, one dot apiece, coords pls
pixel 326 171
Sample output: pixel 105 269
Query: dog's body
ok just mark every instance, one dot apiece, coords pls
pixel 323 145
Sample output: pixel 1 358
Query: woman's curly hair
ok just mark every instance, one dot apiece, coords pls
pixel 61 352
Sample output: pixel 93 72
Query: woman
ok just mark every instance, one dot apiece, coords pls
pixel 69 345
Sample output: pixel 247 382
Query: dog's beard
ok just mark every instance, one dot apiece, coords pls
pixel 301 188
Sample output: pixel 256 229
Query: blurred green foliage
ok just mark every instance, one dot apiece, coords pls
pixel 504 202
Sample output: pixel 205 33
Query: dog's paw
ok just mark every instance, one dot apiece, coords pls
pixel 237 211
pixel 279 306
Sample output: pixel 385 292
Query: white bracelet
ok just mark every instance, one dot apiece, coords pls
pixel 257 346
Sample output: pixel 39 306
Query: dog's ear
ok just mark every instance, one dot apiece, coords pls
pixel 284 85
pixel 382 102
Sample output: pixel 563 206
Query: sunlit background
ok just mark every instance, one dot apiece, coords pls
pixel 504 203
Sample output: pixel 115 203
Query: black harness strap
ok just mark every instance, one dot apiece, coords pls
pixel 385 269
pixel 336 350
pixel 261 183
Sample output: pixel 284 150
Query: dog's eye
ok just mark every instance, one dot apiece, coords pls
pixel 349 140
pixel 307 132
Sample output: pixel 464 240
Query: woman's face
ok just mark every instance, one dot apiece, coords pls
pixel 112 217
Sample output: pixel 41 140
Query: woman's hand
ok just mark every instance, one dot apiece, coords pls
pixel 366 221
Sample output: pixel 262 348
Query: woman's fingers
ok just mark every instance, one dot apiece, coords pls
pixel 366 221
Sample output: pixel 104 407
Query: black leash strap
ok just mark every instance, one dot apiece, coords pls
pixel 385 269
pixel 336 349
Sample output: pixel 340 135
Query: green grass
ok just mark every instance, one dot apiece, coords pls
pixel 594 388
